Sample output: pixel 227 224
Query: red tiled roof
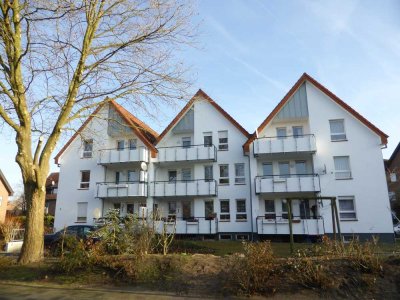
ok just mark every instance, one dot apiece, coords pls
pixel 305 77
pixel 202 94
pixel 52 177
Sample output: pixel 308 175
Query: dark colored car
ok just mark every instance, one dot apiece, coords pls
pixel 78 231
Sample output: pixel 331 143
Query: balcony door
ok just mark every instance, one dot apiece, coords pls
pixel 187 210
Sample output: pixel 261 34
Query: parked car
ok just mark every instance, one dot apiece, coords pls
pixel 396 229
pixel 79 231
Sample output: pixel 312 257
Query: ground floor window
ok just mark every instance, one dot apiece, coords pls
pixel 347 208
pixel 270 213
pixel 172 210
pixel 285 214
pixel 130 208
pixel 241 214
pixel 209 209
pixel 82 212
pixel 224 210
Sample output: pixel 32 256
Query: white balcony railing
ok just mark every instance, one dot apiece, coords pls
pixel 121 189
pixel 281 226
pixel 125 155
pixel 293 183
pixel 199 187
pixel 187 153
pixel 193 226
pixel 287 144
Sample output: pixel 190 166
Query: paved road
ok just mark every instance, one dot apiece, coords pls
pixel 25 292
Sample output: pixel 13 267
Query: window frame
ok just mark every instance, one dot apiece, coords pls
pixel 132 144
pixel 172 212
pixel 269 214
pixel 87 153
pixel 212 173
pixel 81 219
pixel 296 136
pixel 278 136
pixel 223 180
pixel 241 215
pixel 352 211
pixel 343 134
pixel 169 177
pixel 343 171
pixel 207 135
pixel 186 170
pixel 224 145
pixel 272 169
pixel 118 145
pixel 224 216
pixel 84 185
pixel 185 140
pixel 240 179
pixel 281 163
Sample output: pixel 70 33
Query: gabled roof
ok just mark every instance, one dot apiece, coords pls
pixel 202 94
pixel 147 135
pixel 305 77
pixel 6 184
pixel 394 154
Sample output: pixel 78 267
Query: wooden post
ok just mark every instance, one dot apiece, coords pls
pixel 337 218
pixel 333 218
pixel 289 204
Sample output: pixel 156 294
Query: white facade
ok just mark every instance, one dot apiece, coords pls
pixel 200 179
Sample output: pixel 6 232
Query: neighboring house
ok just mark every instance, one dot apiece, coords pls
pixel 392 166
pixel 51 193
pixel 5 192
pixel 205 175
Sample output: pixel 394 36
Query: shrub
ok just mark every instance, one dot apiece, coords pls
pixel 254 270
pixel 74 255
pixel 7 228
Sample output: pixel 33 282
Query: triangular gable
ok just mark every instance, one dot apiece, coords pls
pixel 186 108
pixel 142 131
pixel 305 77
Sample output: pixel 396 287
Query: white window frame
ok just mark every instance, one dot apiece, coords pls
pixel 172 210
pixel 281 163
pixel 224 216
pixel 212 173
pixel 132 144
pixel 223 142
pixel 118 145
pixel 84 185
pixel 272 169
pixel 185 172
pixel 337 136
pixel 240 179
pixel 185 141
pixel 347 211
pixel 86 145
pixel 169 177
pixel 341 174
pixel 278 136
pixel 80 216
pixel 241 214
pixel 207 135
pixel 296 136
pixel 269 214
pixel 223 180
pixel 130 172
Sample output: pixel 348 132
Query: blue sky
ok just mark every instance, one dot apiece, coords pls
pixel 251 52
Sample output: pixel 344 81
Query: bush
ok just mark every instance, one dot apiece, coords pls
pixel 254 270
pixel 74 254
pixel 7 228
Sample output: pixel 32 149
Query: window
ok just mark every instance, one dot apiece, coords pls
pixel 337 130
pixel 297 131
pixel 270 209
pixel 120 145
pixel 132 144
pixel 342 167
pixel 209 209
pixel 223 140
pixel 171 210
pixel 267 169
pixel 208 173
pixel 281 132
pixel 85 179
pixel 301 168
pixel 224 211
pixel 133 176
pixel 117 177
pixel 130 208
pixel 186 174
pixel 207 139
pixel 393 177
pixel 186 142
pixel 142 210
pixel 241 210
pixel 284 209
pixel 87 148
pixel 223 174
pixel 172 176
pixel 82 212
pixel 239 174
pixel 117 206
pixel 284 171
pixel 347 208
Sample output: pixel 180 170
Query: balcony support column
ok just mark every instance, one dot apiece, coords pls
pixel 290 225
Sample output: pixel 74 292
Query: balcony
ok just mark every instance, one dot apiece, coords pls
pixel 121 189
pixel 195 225
pixel 282 145
pixel 187 153
pixel 293 184
pixel 178 188
pixel 124 155
pixel 281 226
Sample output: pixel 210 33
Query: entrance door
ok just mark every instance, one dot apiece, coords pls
pixel 186 210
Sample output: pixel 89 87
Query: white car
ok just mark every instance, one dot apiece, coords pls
pixel 396 229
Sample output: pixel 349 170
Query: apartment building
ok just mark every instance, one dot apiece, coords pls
pixel 206 175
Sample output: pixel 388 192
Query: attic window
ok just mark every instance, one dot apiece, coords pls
pixel 337 130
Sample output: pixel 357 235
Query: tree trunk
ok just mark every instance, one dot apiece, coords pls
pixel 32 249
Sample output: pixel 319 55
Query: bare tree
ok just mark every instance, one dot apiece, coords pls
pixel 60 59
